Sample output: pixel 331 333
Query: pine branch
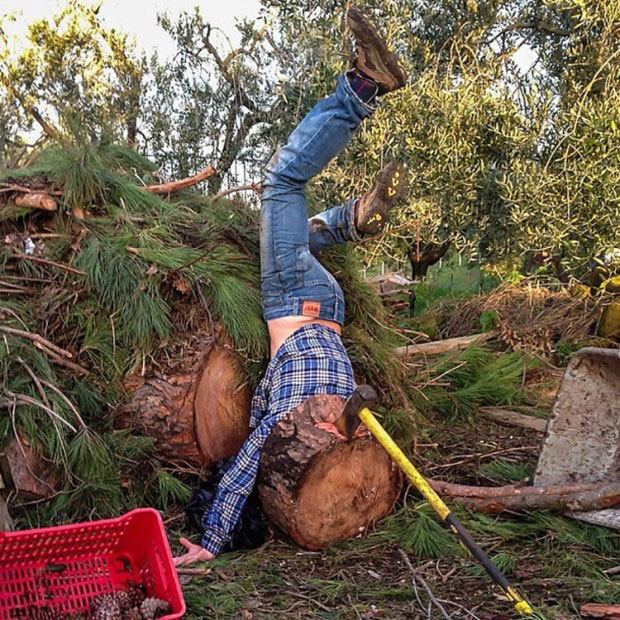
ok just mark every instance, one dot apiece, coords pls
pixel 256 187
pixel 45 261
pixel 175 186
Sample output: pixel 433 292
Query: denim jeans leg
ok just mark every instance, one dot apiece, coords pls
pixel 290 275
pixel 332 227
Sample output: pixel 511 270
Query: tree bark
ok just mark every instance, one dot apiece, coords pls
pixel 198 417
pixel 596 610
pixel 428 255
pixel 319 488
pixel 578 497
pixel 25 473
pixel 6 523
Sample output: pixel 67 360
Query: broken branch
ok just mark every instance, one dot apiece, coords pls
pixel 596 610
pixel 514 418
pixel 61 361
pixel 51 263
pixel 37 338
pixel 578 497
pixel 444 346
pixel 417 577
pixel 175 186
pixel 256 187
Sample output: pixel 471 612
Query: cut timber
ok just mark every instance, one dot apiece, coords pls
pixel 37 200
pixel 444 346
pixel 514 418
pixel 516 498
pixel 596 610
pixel 317 487
pixel 221 407
pixel 197 417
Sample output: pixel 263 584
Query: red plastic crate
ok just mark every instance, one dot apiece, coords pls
pixel 64 568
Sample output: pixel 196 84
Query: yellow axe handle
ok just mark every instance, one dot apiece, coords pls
pixel 372 424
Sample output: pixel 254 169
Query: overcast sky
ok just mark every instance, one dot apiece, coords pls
pixel 139 17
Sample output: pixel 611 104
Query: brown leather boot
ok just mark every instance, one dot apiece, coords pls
pixel 373 207
pixel 374 60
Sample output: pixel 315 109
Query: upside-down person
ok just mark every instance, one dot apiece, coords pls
pixel 303 304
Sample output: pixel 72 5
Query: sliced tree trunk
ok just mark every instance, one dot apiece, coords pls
pixel 198 417
pixel 317 487
pixel 221 407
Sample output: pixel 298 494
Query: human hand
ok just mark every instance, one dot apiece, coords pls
pixel 195 553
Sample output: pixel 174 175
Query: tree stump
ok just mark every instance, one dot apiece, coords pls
pixel 319 488
pixel 200 416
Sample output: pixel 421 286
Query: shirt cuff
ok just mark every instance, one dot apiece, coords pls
pixel 212 543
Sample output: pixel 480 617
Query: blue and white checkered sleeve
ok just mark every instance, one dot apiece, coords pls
pixel 233 492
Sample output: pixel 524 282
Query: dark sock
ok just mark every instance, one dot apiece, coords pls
pixel 362 86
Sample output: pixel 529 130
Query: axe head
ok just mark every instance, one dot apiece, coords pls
pixel 349 420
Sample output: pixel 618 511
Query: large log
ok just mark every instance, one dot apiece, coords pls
pixel 318 488
pixel 201 416
pixel 221 407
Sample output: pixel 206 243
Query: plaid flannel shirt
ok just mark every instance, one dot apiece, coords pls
pixel 310 361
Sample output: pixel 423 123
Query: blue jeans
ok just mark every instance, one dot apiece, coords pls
pixel 293 282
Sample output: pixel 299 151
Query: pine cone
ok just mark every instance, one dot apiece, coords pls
pixel 133 614
pixel 136 594
pixel 152 608
pixel 106 607
pixel 124 599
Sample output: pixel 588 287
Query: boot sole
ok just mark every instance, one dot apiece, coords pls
pixel 375 48
pixel 390 186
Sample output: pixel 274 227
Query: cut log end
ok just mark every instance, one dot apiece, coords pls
pixel 221 407
pixel 318 488
pixel 344 492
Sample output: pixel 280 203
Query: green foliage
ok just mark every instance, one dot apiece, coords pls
pixel 476 378
pixel 506 472
pixel 418 529
pixel 488 320
pixel 77 72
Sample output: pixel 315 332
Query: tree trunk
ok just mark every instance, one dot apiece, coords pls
pixel 319 488
pixel 428 255
pixel 201 416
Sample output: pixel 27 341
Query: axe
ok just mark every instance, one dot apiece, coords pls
pixel 356 411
